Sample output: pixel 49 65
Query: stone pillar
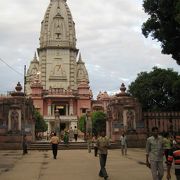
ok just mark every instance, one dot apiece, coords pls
pixel 49 108
pixel 71 107
pixel 53 109
pixel 49 127
pixel 67 110
pixel 107 129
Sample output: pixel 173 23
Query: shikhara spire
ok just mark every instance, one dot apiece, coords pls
pixel 57 54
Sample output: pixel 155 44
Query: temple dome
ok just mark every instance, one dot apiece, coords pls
pixel 58 27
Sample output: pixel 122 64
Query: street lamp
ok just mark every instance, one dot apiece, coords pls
pixel 57 122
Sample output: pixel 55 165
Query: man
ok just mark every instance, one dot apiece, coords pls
pixel 54 141
pixel 24 144
pixel 123 140
pixel 174 154
pixel 154 154
pixel 102 145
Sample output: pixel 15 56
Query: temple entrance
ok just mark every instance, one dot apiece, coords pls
pixel 62 126
pixel 61 109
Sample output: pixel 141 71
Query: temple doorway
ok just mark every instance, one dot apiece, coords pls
pixel 61 109
pixel 62 126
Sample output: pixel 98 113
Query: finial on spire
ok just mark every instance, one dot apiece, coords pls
pixel 35 57
pixel 80 59
pixel 58 5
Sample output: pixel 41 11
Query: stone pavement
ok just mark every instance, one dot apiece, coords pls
pixel 72 165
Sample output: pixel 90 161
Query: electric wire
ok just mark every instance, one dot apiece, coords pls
pixel 10 67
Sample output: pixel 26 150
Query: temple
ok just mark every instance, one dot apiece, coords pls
pixel 57 80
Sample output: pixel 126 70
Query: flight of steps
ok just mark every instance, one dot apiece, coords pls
pixel 62 146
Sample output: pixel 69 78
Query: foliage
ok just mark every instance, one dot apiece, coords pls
pixel 40 124
pixel 98 121
pixel 81 123
pixel 158 90
pixel 164 25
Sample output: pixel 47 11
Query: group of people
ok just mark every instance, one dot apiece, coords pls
pixel 156 148
pixel 67 136
pixel 101 145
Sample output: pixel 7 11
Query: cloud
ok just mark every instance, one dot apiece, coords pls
pixel 108 36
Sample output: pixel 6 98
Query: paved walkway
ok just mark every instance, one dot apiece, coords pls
pixel 72 165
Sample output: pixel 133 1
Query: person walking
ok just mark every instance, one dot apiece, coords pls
pixel 123 140
pixel 75 133
pixel 167 142
pixel 174 154
pixel 154 154
pixel 102 145
pixel 54 141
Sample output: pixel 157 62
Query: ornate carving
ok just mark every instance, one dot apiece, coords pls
pixel 130 119
pixel 14 120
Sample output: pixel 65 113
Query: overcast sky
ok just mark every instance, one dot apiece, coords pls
pixel 108 35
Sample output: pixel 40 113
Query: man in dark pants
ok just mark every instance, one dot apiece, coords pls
pixel 174 155
pixel 24 144
pixel 54 141
pixel 102 145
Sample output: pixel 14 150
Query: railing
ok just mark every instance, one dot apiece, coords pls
pixel 62 118
pixel 60 91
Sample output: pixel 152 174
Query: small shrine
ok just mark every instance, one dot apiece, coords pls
pixel 16 119
pixel 124 114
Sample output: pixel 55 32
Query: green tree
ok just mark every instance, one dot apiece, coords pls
pixel 158 90
pixel 164 25
pixel 40 124
pixel 98 121
pixel 81 123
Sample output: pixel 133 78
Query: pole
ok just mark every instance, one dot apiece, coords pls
pixel 24 80
pixel 23 123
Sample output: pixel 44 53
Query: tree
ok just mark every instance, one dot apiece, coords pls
pixel 81 123
pixel 158 90
pixel 164 25
pixel 40 124
pixel 98 121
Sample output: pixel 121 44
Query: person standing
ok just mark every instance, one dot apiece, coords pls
pixel 102 145
pixel 54 141
pixel 66 137
pixel 71 134
pixel 123 140
pixel 75 133
pixel 24 144
pixel 154 154
pixel 174 154
pixel 95 145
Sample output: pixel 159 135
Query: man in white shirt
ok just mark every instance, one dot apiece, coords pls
pixel 123 140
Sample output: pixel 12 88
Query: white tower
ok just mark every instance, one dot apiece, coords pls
pixel 57 65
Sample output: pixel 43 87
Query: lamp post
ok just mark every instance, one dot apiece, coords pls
pixel 88 123
pixel 57 122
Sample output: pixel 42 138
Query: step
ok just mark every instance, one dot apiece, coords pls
pixel 72 145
